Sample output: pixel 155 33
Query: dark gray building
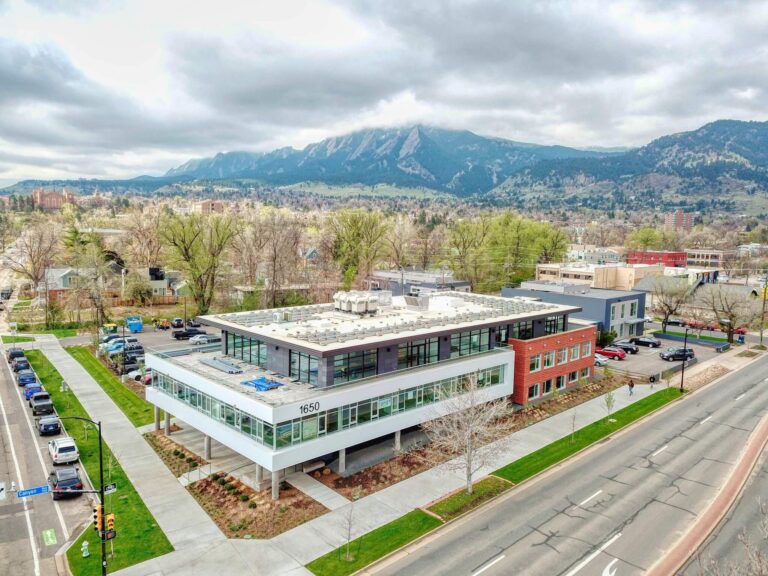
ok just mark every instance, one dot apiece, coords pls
pixel 414 282
pixel 618 310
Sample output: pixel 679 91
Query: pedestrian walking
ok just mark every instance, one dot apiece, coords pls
pixel 631 387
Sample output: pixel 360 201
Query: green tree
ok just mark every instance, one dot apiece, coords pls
pixel 646 238
pixel 358 239
pixel 197 245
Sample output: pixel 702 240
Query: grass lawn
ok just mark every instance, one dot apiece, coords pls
pixel 374 545
pixel 138 410
pixel 692 336
pixel 551 454
pixel 139 538
pixel 461 502
pixel 13 339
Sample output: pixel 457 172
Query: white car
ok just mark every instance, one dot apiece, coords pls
pixel 601 360
pixel 647 319
pixel 135 374
pixel 199 339
pixel 63 450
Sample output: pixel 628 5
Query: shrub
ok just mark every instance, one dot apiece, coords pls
pixel 243 497
pixel 193 463
pixel 252 505
pixel 176 452
pixel 221 481
pixel 228 487
pixel 190 459
pixel 180 455
pixel 236 493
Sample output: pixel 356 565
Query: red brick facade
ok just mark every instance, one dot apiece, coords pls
pixel 671 259
pixel 526 350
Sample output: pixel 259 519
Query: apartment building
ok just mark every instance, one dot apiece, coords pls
pixel 669 258
pixel 290 386
pixel 609 276
pixel 708 257
pixel 679 220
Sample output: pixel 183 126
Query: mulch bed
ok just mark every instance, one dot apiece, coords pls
pixel 241 512
pixel 178 459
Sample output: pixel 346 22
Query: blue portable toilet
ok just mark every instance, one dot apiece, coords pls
pixel 134 324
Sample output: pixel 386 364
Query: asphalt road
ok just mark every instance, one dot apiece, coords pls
pixel 724 550
pixel 617 509
pixel 32 529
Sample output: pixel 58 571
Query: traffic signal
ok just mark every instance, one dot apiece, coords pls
pixel 98 510
pixel 110 521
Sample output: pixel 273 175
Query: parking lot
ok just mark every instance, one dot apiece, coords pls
pixel 647 361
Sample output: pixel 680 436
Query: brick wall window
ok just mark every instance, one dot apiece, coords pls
pixel 533 391
pixel 575 352
pixel 536 363
pixel 586 349
pixel 549 359
pixel 560 382
pixel 562 356
pixel 548 386
pixel 585 372
pixel 573 376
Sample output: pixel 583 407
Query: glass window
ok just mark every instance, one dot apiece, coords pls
pixel 522 330
pixel 586 349
pixel 573 376
pixel 533 391
pixel 547 386
pixel 535 363
pixel 560 382
pixel 417 353
pixel 613 311
pixel 471 342
pixel 354 365
pixel 555 324
pixel 562 356
pixel 622 311
pixel 303 367
pixel 633 309
pixel 585 372
pixel 549 359
pixel 575 352
pixel 502 334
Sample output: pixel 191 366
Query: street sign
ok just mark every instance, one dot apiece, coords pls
pixel 33 491
pixel 110 534
pixel 110 488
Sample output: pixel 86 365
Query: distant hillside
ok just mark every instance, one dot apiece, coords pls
pixel 459 162
pixel 722 164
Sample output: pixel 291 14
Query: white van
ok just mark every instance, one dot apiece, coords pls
pixel 63 450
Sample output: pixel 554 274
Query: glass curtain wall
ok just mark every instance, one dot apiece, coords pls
pixel 417 353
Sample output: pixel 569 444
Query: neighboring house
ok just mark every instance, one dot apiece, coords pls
pixel 58 281
pixel 618 310
pixel 413 282
pixel 709 258
pixel 668 258
pixel 610 276
pixel 156 279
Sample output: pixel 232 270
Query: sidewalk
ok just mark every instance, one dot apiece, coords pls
pixel 174 509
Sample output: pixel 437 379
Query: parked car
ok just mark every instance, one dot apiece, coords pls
pixel 147 379
pixel 612 352
pixel 188 333
pixel 65 482
pixel 32 389
pixel 63 450
pixel 192 323
pixel 675 322
pixel 647 319
pixel 177 323
pixel 24 377
pixel 649 341
pixel 19 364
pixel 42 395
pixel 109 338
pixel 41 404
pixel 136 374
pixel 204 339
pixel 14 353
pixel 740 330
pixel 48 425
pixel 701 325
pixel 627 346
pixel 675 353
pixel 601 360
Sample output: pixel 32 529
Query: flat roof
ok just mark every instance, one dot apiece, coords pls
pixel 538 287
pixel 322 328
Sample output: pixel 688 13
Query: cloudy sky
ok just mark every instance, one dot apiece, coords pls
pixel 100 88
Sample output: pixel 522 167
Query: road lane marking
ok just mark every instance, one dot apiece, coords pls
pixel 705 419
pixel 49 537
pixel 32 543
pixel 607 571
pixel 594 555
pixel 740 396
pixel 491 563
pixel 38 451
pixel 581 504
pixel 660 450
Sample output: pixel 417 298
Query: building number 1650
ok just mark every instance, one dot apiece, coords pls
pixel 309 408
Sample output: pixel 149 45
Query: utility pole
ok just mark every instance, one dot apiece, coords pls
pixel 685 359
pixel 102 536
pixel 762 315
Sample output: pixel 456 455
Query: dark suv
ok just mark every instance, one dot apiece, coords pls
pixel 14 353
pixel 627 346
pixel 65 482
pixel 671 354
pixel 187 334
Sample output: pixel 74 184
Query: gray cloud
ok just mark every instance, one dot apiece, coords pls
pixel 573 72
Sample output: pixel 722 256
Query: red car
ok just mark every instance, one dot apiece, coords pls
pixel 700 325
pixel 612 352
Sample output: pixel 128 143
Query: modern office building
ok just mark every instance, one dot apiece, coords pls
pixel 622 311
pixel 709 257
pixel 414 282
pixel 291 386
pixel 608 276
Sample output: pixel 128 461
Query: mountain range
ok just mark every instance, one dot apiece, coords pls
pixel 720 166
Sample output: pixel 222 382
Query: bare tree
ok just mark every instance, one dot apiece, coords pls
pixel 428 242
pixel 145 244
pixel 465 434
pixel 247 246
pixel 399 239
pixel 610 401
pixel 281 250
pixel 669 295
pixel 730 306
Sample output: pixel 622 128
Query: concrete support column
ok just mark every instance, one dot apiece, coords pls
pixel 275 484
pixel 167 424
pixel 157 418
pixel 259 474
pixel 397 441
pixel 342 460
pixel 207 448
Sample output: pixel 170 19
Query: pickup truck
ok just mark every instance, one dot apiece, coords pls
pixel 41 405
pixel 187 334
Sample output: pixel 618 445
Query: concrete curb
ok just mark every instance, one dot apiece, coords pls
pixel 692 540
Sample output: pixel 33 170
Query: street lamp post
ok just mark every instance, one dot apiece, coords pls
pixel 762 316
pixel 685 359
pixel 125 344
pixel 101 491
